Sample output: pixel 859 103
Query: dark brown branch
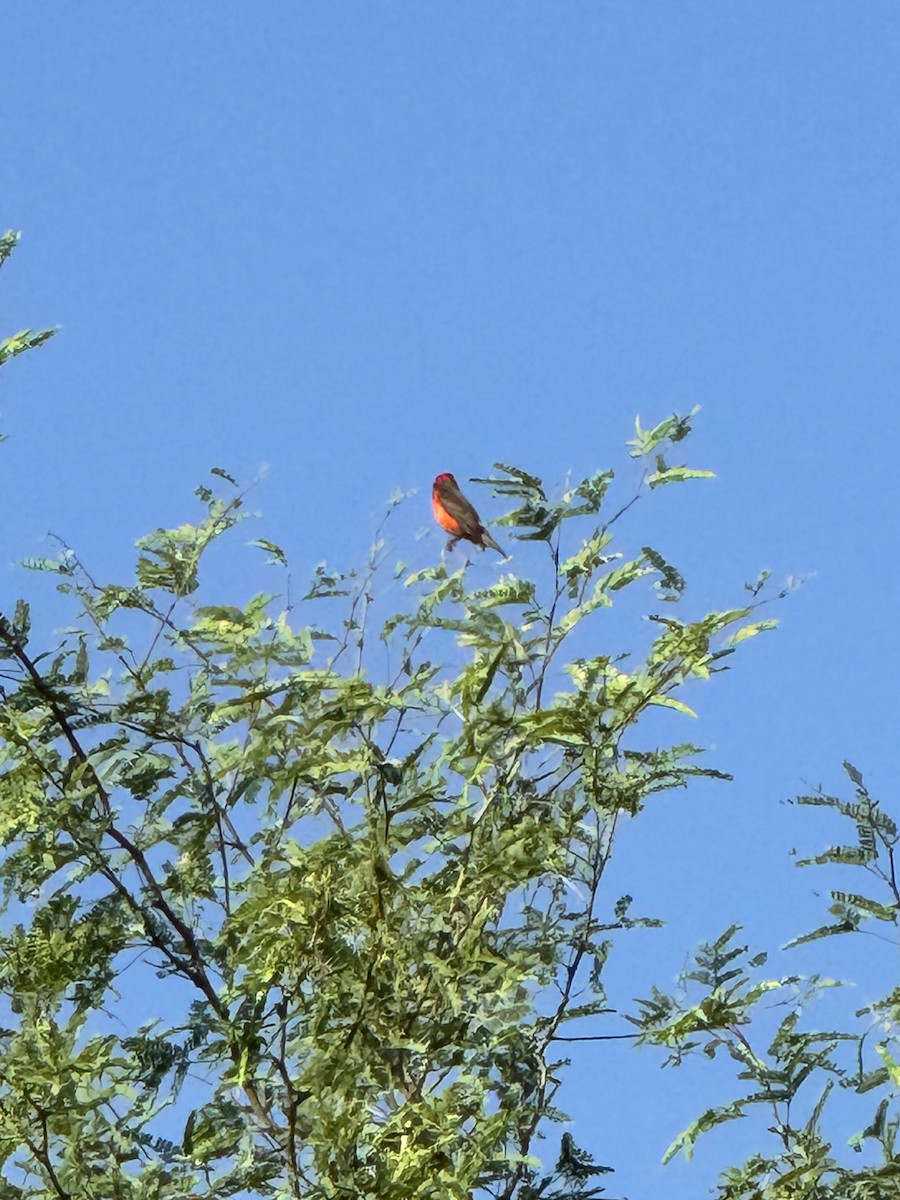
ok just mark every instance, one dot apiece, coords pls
pixel 551 617
pixel 598 1037
pixel 195 968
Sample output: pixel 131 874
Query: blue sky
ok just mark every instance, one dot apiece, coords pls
pixel 361 244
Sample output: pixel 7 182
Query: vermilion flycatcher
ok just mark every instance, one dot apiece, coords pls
pixel 454 513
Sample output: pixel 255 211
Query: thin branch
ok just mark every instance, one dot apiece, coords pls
pixel 546 656
pixel 292 1102
pixel 599 1037
pixel 46 1160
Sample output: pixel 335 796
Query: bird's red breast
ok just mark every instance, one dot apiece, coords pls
pixel 445 502
pixel 454 513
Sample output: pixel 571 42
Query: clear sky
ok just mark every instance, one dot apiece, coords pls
pixel 363 243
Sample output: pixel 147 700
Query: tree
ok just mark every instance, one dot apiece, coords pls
pixel 363 880
pixel 371 901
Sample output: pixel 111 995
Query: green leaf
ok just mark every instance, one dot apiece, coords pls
pixel 569 620
pixel 749 631
pixel 8 242
pixel 626 574
pixel 855 775
pixel 824 931
pixel 664 474
pixel 21 623
pixel 27 339
pixel 687 1139
pixel 507 590
pixel 276 554
pixel 671 583
pixel 672 429
pixel 518 483
pixel 881 912
pixel 672 702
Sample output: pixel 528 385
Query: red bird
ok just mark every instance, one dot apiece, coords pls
pixel 454 513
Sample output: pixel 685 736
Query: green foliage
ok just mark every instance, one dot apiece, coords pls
pixel 360 886
pixel 724 1006
pixel 26 339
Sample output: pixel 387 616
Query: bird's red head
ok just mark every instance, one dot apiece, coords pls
pixel 444 477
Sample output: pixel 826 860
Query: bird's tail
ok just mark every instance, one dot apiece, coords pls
pixel 487 540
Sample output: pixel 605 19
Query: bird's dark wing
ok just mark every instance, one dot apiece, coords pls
pixel 460 509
